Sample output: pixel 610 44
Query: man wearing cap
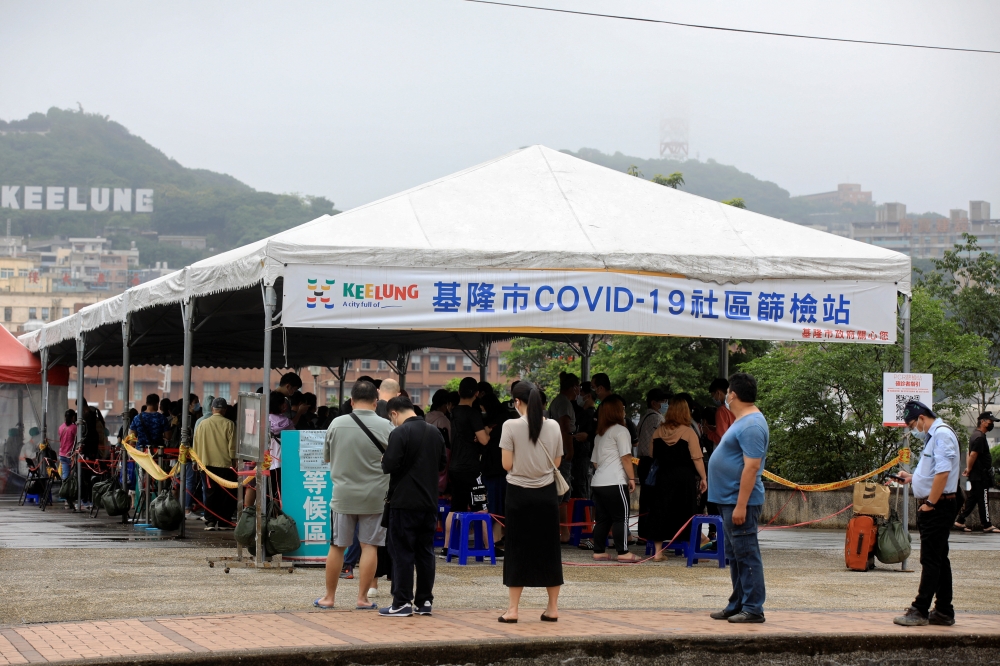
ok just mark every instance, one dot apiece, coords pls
pixel 935 483
pixel 215 446
pixel 979 470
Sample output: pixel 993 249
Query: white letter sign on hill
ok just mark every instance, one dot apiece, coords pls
pixel 900 387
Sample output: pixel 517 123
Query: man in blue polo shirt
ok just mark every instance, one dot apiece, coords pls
pixel 935 486
pixel 734 484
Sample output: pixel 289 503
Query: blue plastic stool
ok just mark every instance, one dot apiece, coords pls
pixel 461 523
pixel 30 499
pixel 579 514
pixel 680 548
pixel 443 509
pixel 694 550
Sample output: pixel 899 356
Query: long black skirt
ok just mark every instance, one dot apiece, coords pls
pixel 533 554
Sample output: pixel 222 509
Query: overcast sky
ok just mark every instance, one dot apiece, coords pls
pixel 358 99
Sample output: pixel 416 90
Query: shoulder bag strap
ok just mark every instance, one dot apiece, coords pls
pixel 361 424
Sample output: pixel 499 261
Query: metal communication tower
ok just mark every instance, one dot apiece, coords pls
pixel 674 138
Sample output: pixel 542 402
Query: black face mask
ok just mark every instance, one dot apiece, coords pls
pixel 989 427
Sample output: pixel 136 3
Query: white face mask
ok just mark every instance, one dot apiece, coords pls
pixel 663 408
pixel 727 403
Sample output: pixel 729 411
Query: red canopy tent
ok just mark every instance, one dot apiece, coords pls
pixel 20 366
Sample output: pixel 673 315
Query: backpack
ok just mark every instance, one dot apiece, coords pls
pixel 859 547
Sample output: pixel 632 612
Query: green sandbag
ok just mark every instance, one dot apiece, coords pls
pixel 246 528
pixel 282 534
pixel 165 511
pixel 892 545
pixel 115 500
pixel 69 488
pixel 97 492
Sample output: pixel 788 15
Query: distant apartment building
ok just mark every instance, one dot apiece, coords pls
pixel 928 237
pixel 890 212
pixel 979 210
pixel 190 242
pixel 846 193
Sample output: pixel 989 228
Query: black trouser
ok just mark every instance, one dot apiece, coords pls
pixel 220 502
pixel 411 544
pixel 612 507
pixel 935 575
pixel 979 495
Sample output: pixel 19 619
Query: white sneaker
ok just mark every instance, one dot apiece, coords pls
pixel 373 592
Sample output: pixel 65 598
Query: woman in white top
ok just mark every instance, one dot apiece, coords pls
pixel 613 479
pixel 531 449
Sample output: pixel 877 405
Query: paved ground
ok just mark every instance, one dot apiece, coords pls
pixel 88 580
pixel 219 636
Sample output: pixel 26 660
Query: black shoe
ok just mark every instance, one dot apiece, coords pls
pixel 912 618
pixel 723 614
pixel 746 618
pixel 934 617
pixel 498 553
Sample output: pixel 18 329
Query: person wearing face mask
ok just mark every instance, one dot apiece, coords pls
pixel 414 457
pixel 723 417
pixel 734 484
pixel 935 486
pixel 656 407
pixel 979 470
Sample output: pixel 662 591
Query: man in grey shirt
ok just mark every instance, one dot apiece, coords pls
pixel 359 488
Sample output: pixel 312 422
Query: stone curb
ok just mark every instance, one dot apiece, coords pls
pixel 638 648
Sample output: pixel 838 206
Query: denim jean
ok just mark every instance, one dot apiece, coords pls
pixel 196 486
pixel 64 466
pixel 745 566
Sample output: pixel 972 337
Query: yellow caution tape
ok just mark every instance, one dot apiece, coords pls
pixel 836 485
pixel 145 460
pixel 904 456
pixel 225 483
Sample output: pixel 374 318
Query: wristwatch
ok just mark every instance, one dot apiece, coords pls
pixel 930 504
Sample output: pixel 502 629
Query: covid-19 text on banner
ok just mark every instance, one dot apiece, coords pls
pixel 898 388
pixel 531 301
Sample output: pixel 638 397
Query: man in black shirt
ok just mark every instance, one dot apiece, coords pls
pixel 468 437
pixel 413 459
pixel 979 469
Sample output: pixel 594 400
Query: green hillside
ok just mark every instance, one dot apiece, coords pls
pixel 720 182
pixel 84 150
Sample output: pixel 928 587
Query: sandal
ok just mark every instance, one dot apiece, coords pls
pixel 991 530
pixel 629 558
pixel 600 557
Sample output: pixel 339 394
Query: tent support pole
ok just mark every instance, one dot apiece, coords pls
pixel 340 391
pixel 187 315
pixel 126 390
pixel 402 365
pixel 270 300
pixel 483 359
pixel 80 419
pixel 724 358
pixel 588 346
pixel 45 395
pixel 904 314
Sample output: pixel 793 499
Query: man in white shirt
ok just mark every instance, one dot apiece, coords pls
pixel 935 484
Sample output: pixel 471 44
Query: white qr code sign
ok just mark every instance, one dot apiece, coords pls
pixel 898 388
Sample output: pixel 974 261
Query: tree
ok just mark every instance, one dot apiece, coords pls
pixel 823 401
pixel 967 280
pixel 540 362
pixel 674 180
pixel 637 363
pixel 735 203
pixel 499 388
pixel 634 171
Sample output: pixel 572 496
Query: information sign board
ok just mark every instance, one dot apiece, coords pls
pixel 900 387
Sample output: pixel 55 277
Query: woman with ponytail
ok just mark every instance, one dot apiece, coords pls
pixel 531 449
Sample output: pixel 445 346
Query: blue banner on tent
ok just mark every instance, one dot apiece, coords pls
pixel 306 492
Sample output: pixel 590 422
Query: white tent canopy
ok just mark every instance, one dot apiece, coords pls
pixel 535 208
